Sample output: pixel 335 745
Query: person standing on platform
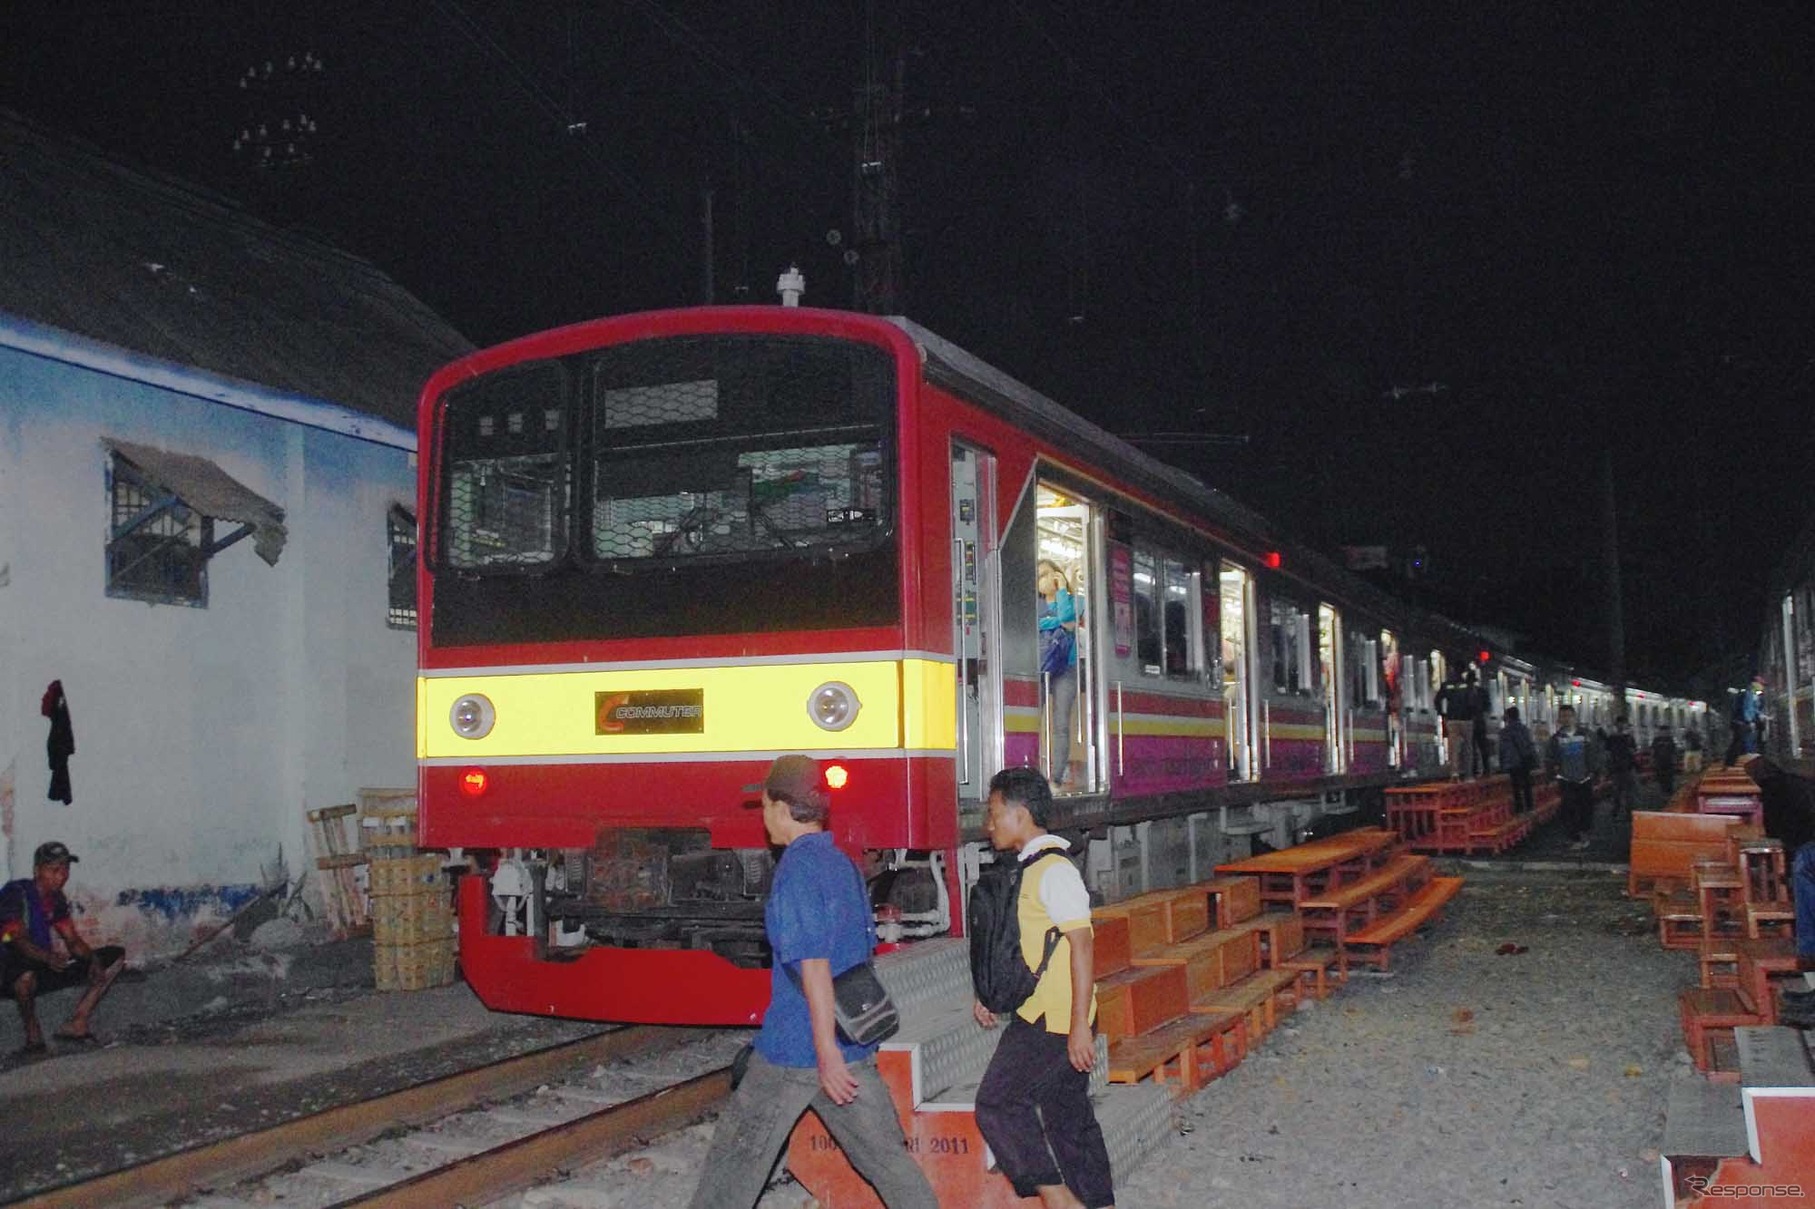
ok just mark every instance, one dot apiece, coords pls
pixel 1033 1106
pixel 1518 756
pixel 817 918
pixel 1622 764
pixel 1663 761
pixel 1478 728
pixel 1457 702
pixel 1692 748
pixel 1747 722
pixel 1569 757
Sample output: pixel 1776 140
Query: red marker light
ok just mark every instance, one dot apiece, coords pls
pixel 1483 656
pixel 836 776
pixel 473 782
pixel 1271 558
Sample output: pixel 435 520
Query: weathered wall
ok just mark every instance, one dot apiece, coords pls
pixel 202 734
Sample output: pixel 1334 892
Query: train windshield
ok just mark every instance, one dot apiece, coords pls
pixel 731 446
pixel 605 494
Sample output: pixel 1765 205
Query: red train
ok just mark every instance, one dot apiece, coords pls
pixel 661 549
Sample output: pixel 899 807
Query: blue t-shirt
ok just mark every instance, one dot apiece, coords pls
pixel 817 907
pixel 1061 610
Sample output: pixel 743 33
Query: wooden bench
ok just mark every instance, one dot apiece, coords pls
pixel 1319 962
pixel 1146 922
pixel 1184 1054
pixel 1666 846
pixel 1331 911
pixel 1211 961
pixel 1235 899
pixel 1381 935
pixel 1184 913
pixel 1280 933
pixel 1258 997
pixel 1140 999
pixel 1708 1014
pixel 1498 836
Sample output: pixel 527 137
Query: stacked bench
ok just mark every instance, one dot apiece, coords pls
pixel 1466 817
pixel 1718 889
pixel 1189 980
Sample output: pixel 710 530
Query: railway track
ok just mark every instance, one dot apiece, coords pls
pixel 452 1141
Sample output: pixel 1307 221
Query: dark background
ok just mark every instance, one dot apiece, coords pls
pixel 1433 261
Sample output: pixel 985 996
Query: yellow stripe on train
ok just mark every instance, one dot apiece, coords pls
pixel 903 703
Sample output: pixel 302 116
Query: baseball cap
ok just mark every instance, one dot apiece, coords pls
pixel 53 852
pixel 792 778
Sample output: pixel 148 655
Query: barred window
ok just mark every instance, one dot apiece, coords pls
pixel 400 532
pixel 158 546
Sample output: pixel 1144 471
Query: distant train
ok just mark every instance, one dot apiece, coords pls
pixel 663 548
pixel 1786 660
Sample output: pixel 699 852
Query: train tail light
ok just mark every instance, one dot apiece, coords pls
pixel 837 775
pixel 473 782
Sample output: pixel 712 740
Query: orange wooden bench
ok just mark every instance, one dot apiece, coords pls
pixel 1259 997
pixel 1709 1017
pixel 1666 845
pixel 1210 962
pixel 1332 911
pixel 1381 935
pixel 1184 1054
pixel 1321 963
pixel 1236 899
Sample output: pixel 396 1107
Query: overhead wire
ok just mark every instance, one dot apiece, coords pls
pixel 565 118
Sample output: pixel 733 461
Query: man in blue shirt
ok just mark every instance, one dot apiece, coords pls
pixel 819 925
pixel 1570 757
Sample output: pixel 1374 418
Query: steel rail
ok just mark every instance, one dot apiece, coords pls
pixel 513 1166
pixel 244 1156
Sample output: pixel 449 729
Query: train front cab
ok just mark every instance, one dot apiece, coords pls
pixel 660 551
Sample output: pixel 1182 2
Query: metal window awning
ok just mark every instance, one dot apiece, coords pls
pixel 204 487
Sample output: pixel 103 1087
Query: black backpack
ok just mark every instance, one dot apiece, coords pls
pixel 999 973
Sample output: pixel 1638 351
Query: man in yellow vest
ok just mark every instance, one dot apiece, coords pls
pixel 1033 1107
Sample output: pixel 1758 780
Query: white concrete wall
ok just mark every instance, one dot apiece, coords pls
pixel 202 734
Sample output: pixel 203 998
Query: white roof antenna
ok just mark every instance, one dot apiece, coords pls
pixel 791 285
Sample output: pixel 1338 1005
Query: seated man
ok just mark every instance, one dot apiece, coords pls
pixel 1789 806
pixel 31 909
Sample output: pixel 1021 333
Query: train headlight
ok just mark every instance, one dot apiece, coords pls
pixel 473 716
pixel 833 705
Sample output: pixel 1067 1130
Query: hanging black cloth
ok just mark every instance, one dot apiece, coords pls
pixel 62 742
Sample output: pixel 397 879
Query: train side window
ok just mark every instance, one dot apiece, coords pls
pixel 1149 646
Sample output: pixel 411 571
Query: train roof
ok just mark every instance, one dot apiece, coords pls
pixel 966 374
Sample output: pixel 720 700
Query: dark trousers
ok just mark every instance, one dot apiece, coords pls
pixel 1033 1108
pixel 1521 787
pixel 76 974
pixel 1479 739
pixel 1578 808
pixel 1666 781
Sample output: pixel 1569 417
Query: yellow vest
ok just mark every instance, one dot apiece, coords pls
pixel 1052 997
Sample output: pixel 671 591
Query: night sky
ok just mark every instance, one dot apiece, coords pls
pixel 1433 261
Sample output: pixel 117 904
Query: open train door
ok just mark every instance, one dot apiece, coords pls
pixel 976 618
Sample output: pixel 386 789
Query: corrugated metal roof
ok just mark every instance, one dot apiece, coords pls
pixel 168 270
